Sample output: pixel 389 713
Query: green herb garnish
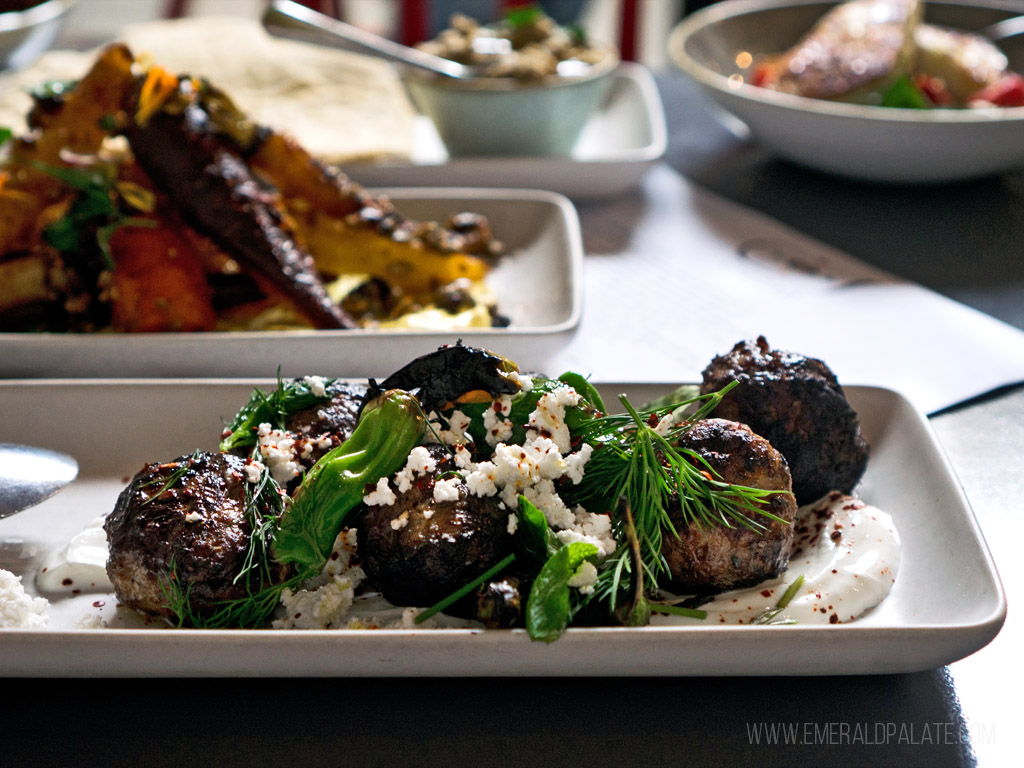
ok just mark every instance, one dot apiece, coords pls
pixel 524 16
pixel 460 593
pixel 787 597
pixel 903 94
pixel 95 212
pixel 271 408
pixel 633 460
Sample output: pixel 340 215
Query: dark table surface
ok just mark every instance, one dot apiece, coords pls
pixel 961 240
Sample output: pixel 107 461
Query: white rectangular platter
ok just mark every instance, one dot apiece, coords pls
pixel 947 601
pixel 624 138
pixel 538 285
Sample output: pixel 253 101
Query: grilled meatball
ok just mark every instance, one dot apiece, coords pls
pixel 705 559
pixel 418 551
pixel 312 432
pixel 328 425
pixel 189 514
pixel 796 403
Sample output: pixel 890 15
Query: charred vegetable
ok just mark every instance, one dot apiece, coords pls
pixel 389 427
pixel 454 374
pixel 181 148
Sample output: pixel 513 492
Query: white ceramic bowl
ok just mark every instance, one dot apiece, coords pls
pixel 26 35
pixel 492 117
pixel 871 143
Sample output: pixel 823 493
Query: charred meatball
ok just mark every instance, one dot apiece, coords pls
pixel 187 517
pixel 704 559
pixel 310 433
pixel 419 550
pixel 796 403
pixel 328 425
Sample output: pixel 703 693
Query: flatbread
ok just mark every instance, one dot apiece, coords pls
pixel 341 106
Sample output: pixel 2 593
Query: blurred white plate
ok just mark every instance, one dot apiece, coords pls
pixel 624 138
pixel 872 143
pixel 947 601
pixel 538 285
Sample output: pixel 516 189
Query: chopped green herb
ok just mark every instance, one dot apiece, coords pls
pixel 903 94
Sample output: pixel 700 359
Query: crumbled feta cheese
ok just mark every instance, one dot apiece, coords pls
pixel 420 462
pixel 585 577
pixel 575 462
pixel 253 471
pixel 455 432
pixel 381 496
pixel 193 517
pixel 447 489
pixel 499 429
pixel 459 422
pixel 549 417
pixel 277 449
pixel 324 601
pixel 481 481
pixel 533 468
pixel 592 529
pixel 90 621
pixel 665 425
pixel 525 382
pixel 319 608
pixel 17 607
pixel 463 457
pixel 400 522
pixel 316 385
pixel 513 524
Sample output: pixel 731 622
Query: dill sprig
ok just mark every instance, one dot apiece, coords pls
pixel 637 459
pixel 249 612
pixel 264 504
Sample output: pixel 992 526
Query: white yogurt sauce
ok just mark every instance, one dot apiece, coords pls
pixel 848 553
pixel 80 565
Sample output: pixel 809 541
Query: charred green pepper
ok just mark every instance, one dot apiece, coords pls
pixel 390 426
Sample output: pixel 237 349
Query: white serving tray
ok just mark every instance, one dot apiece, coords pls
pixel 624 138
pixel 947 601
pixel 538 285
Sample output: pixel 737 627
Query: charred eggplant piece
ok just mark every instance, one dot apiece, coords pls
pixel 452 374
pixel 182 149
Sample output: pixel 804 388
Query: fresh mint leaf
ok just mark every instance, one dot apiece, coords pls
pixel 547 607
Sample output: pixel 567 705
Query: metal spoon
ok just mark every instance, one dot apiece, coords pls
pixel 30 475
pixel 284 18
pixel 1001 30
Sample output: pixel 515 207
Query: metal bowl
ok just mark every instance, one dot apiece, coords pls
pixel 862 142
pixel 26 35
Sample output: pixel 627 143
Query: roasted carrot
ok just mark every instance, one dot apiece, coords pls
pixel 158 282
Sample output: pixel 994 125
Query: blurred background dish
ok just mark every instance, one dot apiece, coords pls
pixel 624 137
pixel 523 85
pixel 718 47
pixel 539 287
pixel 27 29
